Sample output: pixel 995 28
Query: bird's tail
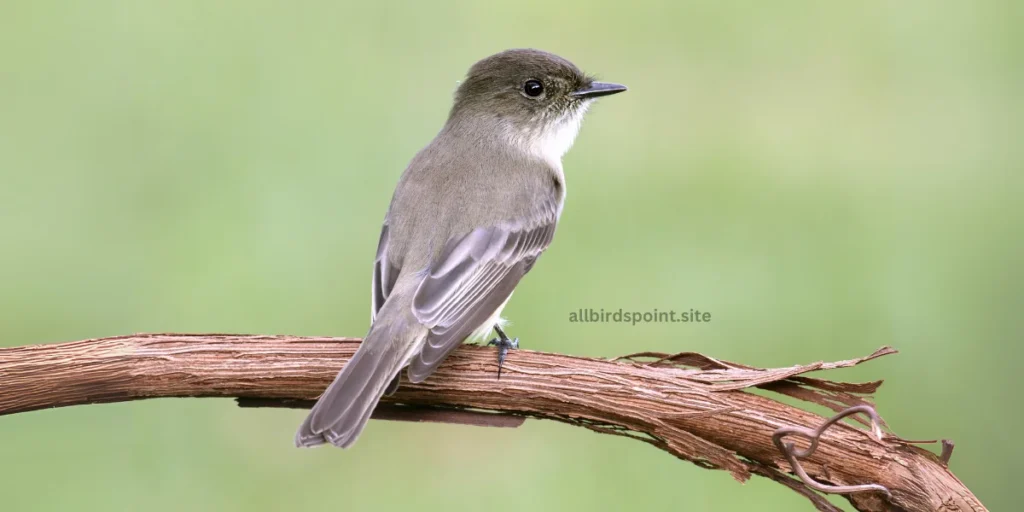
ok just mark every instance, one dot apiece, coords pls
pixel 344 409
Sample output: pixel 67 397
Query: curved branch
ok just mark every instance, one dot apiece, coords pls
pixel 697 408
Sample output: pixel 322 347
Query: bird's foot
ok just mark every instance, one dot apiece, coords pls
pixel 504 344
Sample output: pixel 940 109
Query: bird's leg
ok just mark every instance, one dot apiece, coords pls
pixel 503 344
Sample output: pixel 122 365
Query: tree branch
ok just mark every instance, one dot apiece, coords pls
pixel 696 408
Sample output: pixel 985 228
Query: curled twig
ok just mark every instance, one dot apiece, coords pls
pixel 792 454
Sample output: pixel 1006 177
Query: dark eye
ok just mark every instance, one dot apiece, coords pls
pixel 533 88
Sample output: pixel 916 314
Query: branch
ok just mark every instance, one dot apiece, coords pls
pixel 697 408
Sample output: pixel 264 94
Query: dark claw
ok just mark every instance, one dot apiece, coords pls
pixel 504 345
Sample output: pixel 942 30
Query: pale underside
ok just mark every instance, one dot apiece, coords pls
pixel 548 145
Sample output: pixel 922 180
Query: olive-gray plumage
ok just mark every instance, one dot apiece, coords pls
pixel 469 217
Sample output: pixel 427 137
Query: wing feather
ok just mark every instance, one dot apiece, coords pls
pixel 384 274
pixel 471 278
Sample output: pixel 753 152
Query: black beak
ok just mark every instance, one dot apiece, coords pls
pixel 597 89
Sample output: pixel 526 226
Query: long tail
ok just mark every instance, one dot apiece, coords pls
pixel 344 409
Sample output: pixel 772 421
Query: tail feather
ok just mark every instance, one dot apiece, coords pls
pixel 343 410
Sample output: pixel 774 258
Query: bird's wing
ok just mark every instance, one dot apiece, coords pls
pixel 472 277
pixel 384 274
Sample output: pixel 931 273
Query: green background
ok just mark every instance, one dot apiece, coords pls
pixel 823 178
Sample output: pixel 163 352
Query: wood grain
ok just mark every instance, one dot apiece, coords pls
pixel 695 407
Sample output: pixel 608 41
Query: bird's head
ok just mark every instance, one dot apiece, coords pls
pixel 535 98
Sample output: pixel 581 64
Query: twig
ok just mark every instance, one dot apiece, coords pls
pixel 402 412
pixel 947 451
pixel 692 406
pixel 793 454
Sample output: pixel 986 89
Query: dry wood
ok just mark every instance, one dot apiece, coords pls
pixel 697 408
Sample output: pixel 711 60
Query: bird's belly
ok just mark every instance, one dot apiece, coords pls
pixel 482 332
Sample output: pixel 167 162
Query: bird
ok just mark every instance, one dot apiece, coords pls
pixel 469 217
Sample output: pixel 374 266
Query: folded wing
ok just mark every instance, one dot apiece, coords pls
pixel 473 276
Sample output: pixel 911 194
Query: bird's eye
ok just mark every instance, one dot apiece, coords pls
pixel 533 88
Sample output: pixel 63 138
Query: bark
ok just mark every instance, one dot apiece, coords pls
pixel 695 407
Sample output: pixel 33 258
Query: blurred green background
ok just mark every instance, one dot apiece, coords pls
pixel 824 178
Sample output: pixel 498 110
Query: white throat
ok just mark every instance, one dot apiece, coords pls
pixel 552 143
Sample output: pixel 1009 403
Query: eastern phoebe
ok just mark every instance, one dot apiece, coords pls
pixel 469 218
